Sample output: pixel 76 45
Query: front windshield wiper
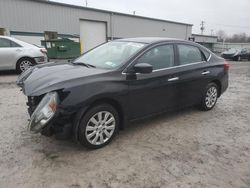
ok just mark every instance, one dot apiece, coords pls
pixel 84 64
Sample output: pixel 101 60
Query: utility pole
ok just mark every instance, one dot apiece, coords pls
pixel 202 27
pixel 86 3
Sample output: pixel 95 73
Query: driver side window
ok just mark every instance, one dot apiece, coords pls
pixel 159 57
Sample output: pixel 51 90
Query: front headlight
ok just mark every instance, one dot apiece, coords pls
pixel 44 112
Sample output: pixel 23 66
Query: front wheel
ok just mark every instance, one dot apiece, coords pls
pixel 98 126
pixel 210 97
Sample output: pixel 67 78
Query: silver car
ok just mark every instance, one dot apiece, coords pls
pixel 19 55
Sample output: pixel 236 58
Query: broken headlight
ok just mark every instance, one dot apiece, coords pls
pixel 44 112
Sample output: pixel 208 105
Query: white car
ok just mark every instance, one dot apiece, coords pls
pixel 19 55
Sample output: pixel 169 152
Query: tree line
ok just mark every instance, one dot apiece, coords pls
pixel 239 37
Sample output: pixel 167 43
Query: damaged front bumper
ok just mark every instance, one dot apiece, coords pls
pixel 47 116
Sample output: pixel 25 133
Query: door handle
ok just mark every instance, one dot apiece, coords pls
pixel 205 72
pixel 173 79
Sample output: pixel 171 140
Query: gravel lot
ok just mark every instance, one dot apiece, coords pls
pixel 188 148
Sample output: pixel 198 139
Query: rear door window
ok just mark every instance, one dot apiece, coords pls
pixel 15 45
pixel 206 54
pixel 5 43
pixel 189 54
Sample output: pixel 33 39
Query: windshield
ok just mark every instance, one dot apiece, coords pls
pixel 110 55
pixel 232 50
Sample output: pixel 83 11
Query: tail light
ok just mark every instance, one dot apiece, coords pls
pixel 44 51
pixel 226 66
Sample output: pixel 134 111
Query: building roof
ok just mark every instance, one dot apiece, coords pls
pixel 199 35
pixel 106 11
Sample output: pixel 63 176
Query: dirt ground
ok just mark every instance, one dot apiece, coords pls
pixel 189 148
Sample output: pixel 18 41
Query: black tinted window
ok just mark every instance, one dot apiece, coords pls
pixel 159 57
pixel 189 54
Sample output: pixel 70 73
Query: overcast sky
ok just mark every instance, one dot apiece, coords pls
pixel 232 16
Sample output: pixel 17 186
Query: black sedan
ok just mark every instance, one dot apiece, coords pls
pixel 244 54
pixel 236 55
pixel 119 81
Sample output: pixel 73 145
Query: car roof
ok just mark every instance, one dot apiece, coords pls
pixel 20 42
pixel 6 37
pixel 150 40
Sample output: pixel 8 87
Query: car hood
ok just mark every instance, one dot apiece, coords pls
pixel 54 76
pixel 230 53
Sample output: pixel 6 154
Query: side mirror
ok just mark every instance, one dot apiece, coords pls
pixel 143 68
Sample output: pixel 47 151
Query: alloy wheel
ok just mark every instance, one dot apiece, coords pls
pixel 211 97
pixel 100 127
pixel 25 64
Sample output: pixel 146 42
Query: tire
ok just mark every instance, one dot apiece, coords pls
pixel 93 133
pixel 23 64
pixel 208 98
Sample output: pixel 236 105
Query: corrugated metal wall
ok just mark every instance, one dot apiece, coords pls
pixel 205 38
pixel 125 26
pixel 31 16
pixel 35 16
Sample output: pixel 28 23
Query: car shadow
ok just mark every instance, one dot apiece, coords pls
pixel 157 118
pixel 132 127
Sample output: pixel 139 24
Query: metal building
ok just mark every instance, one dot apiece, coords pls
pixel 29 19
pixel 206 40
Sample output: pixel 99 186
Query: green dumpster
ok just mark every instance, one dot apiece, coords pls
pixel 62 48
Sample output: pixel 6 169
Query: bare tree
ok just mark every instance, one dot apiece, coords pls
pixel 222 35
pixel 238 37
pixel 241 37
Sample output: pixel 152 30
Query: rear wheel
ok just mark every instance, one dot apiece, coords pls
pixel 210 97
pixel 23 64
pixel 98 126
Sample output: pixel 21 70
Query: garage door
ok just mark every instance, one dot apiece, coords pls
pixel 92 33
